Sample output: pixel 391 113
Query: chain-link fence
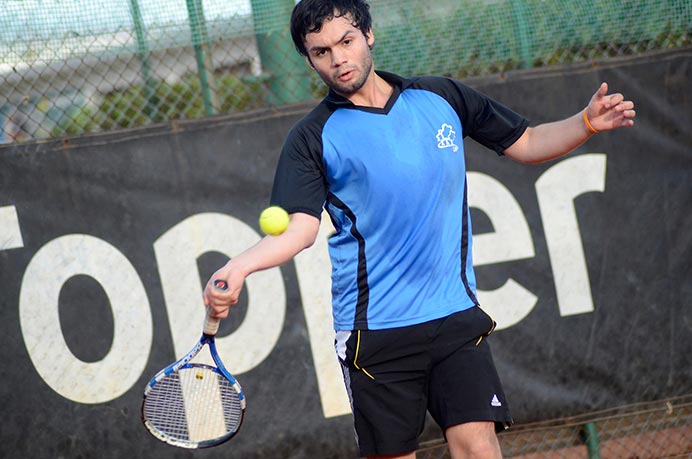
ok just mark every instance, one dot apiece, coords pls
pixel 69 67
pixel 653 430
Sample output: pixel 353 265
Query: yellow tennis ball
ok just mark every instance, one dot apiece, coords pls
pixel 273 220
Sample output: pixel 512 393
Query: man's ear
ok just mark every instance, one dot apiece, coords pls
pixel 370 37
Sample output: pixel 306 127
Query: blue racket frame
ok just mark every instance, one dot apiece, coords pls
pixel 185 362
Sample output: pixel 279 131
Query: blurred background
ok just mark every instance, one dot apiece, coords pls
pixel 70 67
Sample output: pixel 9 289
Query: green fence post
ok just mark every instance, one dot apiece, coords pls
pixel 200 43
pixel 151 106
pixel 286 71
pixel 591 437
pixel 521 18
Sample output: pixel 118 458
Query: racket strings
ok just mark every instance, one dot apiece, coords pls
pixel 192 406
pixel 164 408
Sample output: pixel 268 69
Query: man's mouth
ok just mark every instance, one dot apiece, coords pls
pixel 345 76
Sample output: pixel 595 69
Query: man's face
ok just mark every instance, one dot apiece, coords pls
pixel 340 53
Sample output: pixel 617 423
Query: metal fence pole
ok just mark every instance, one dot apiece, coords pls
pixel 200 43
pixel 287 72
pixel 591 438
pixel 521 21
pixel 151 107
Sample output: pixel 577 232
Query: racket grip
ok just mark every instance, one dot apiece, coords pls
pixel 211 324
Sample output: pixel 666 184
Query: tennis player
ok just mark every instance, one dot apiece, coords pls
pixel 384 156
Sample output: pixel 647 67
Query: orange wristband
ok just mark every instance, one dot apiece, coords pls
pixel 592 129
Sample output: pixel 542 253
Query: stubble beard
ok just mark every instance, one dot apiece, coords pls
pixel 347 89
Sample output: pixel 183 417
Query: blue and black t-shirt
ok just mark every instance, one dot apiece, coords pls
pixel 393 181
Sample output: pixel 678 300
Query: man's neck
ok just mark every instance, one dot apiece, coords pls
pixel 374 93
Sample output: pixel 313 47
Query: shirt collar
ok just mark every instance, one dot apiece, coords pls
pixel 399 83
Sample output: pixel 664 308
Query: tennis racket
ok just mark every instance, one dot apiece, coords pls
pixel 194 405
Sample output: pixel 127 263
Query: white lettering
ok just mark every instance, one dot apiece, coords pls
pixel 313 269
pixel 10 232
pixel 179 248
pixel 510 241
pixel 47 272
pixel 176 255
pixel 557 189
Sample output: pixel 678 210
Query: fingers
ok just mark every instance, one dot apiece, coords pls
pixel 219 312
pixel 628 114
pixel 628 118
pixel 610 101
pixel 601 99
pixel 613 100
pixel 609 111
pixel 602 90
pixel 624 110
pixel 625 105
pixel 219 301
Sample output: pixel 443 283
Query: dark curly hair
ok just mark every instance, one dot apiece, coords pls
pixel 309 15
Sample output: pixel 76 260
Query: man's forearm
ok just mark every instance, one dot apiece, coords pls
pixel 550 140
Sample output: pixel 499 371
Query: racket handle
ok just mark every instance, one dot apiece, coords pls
pixel 211 324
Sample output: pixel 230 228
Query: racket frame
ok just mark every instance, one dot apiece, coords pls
pixel 185 362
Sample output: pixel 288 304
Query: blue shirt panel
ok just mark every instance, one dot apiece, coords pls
pixel 401 176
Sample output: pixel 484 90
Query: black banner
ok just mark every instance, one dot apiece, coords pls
pixel 106 242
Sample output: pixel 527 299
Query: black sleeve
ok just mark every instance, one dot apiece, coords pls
pixel 485 120
pixel 299 181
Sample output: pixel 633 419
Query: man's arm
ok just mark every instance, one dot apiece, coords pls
pixel 548 141
pixel 270 252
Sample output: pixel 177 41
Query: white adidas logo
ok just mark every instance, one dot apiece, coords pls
pixel 495 401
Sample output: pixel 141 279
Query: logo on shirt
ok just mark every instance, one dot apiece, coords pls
pixel 495 401
pixel 445 137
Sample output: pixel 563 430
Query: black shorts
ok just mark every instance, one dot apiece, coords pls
pixel 443 366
